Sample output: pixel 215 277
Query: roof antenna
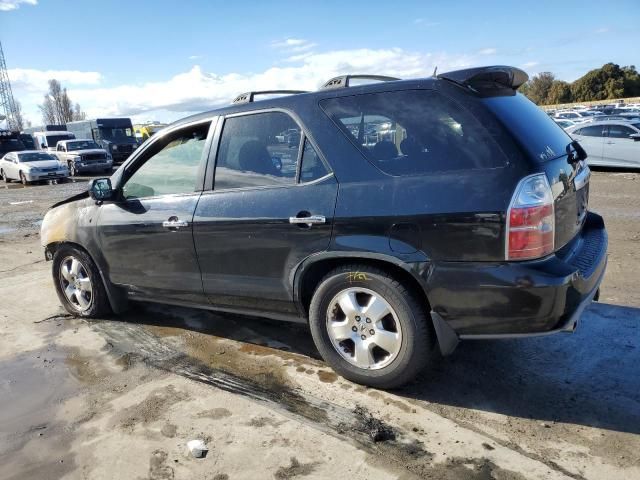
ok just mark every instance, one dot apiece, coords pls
pixel 435 70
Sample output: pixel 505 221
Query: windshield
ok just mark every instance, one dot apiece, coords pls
pixel 34 157
pixel 28 141
pixel 538 134
pixel 81 145
pixel 117 133
pixel 52 140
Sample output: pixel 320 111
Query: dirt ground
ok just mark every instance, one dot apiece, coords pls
pixel 121 397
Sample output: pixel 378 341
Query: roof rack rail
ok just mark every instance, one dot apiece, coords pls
pixel 249 96
pixel 343 80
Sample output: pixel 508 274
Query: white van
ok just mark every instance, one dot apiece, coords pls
pixel 48 140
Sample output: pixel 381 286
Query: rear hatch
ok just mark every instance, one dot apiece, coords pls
pixel 555 154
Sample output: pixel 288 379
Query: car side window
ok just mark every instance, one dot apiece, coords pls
pixel 171 166
pixel 311 167
pixel 414 132
pixel 591 131
pixel 620 131
pixel 257 150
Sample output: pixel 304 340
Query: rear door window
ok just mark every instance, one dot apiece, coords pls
pixel 258 150
pixel 620 131
pixel 413 132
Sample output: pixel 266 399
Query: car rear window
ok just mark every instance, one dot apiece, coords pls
pixel 413 132
pixel 541 137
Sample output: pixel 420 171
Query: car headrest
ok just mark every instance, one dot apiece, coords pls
pixel 254 157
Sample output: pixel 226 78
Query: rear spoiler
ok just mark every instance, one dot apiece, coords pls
pixel 487 78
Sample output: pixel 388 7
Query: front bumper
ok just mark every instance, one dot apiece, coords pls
pixel 515 299
pixel 37 176
pixel 95 166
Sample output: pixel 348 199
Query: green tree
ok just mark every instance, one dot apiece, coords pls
pixel 559 92
pixel 603 83
pixel 537 89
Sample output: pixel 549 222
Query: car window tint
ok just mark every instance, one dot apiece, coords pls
pixel 312 166
pixel 172 167
pixel 414 132
pixel 591 131
pixel 620 131
pixel 257 150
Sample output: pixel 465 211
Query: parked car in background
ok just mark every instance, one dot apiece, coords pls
pixel 628 117
pixel 28 141
pixel 28 166
pixel 573 115
pixel 565 123
pixel 115 135
pixel 467 218
pixel 610 143
pixel 84 156
pixel 144 131
pixel 10 141
pixel 48 140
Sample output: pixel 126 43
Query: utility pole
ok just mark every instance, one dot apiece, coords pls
pixel 7 103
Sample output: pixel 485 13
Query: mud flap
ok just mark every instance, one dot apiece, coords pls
pixel 447 338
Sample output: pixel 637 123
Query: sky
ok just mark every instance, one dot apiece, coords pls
pixel 163 60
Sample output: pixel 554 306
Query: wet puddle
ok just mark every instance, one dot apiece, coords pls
pixel 33 387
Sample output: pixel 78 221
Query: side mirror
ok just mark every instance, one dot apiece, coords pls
pixel 100 189
pixel 42 145
pixel 635 137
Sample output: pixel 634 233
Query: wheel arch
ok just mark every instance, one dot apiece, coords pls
pixel 117 297
pixel 310 272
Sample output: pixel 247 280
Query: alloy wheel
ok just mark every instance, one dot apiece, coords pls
pixel 76 284
pixel 363 328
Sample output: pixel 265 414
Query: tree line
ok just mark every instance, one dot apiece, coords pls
pixel 608 82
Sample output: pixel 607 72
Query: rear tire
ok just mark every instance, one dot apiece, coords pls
pixel 78 283
pixel 4 177
pixel 369 327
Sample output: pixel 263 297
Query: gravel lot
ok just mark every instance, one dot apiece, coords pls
pixel 121 397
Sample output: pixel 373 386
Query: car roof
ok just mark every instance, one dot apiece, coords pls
pixel 53 132
pixel 20 152
pixel 64 142
pixel 295 100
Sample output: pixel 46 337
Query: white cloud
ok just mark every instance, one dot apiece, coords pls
pixel 528 65
pixel 7 5
pixel 197 90
pixel 195 57
pixel 37 80
pixel 487 51
pixel 293 45
pixel 423 22
pixel 602 30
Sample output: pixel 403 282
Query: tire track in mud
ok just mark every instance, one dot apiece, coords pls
pixel 400 450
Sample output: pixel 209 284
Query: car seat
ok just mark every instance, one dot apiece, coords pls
pixel 254 157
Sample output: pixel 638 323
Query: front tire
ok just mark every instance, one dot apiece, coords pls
pixel 369 327
pixel 78 283
pixel 23 179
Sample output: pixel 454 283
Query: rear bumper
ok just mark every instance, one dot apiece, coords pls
pixel 516 299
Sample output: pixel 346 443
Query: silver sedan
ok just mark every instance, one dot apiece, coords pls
pixel 610 143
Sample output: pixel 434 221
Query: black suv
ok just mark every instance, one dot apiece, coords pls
pixel 405 216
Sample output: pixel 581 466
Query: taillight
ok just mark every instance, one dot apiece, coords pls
pixel 530 220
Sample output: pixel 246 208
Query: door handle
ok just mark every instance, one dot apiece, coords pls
pixel 310 220
pixel 174 223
